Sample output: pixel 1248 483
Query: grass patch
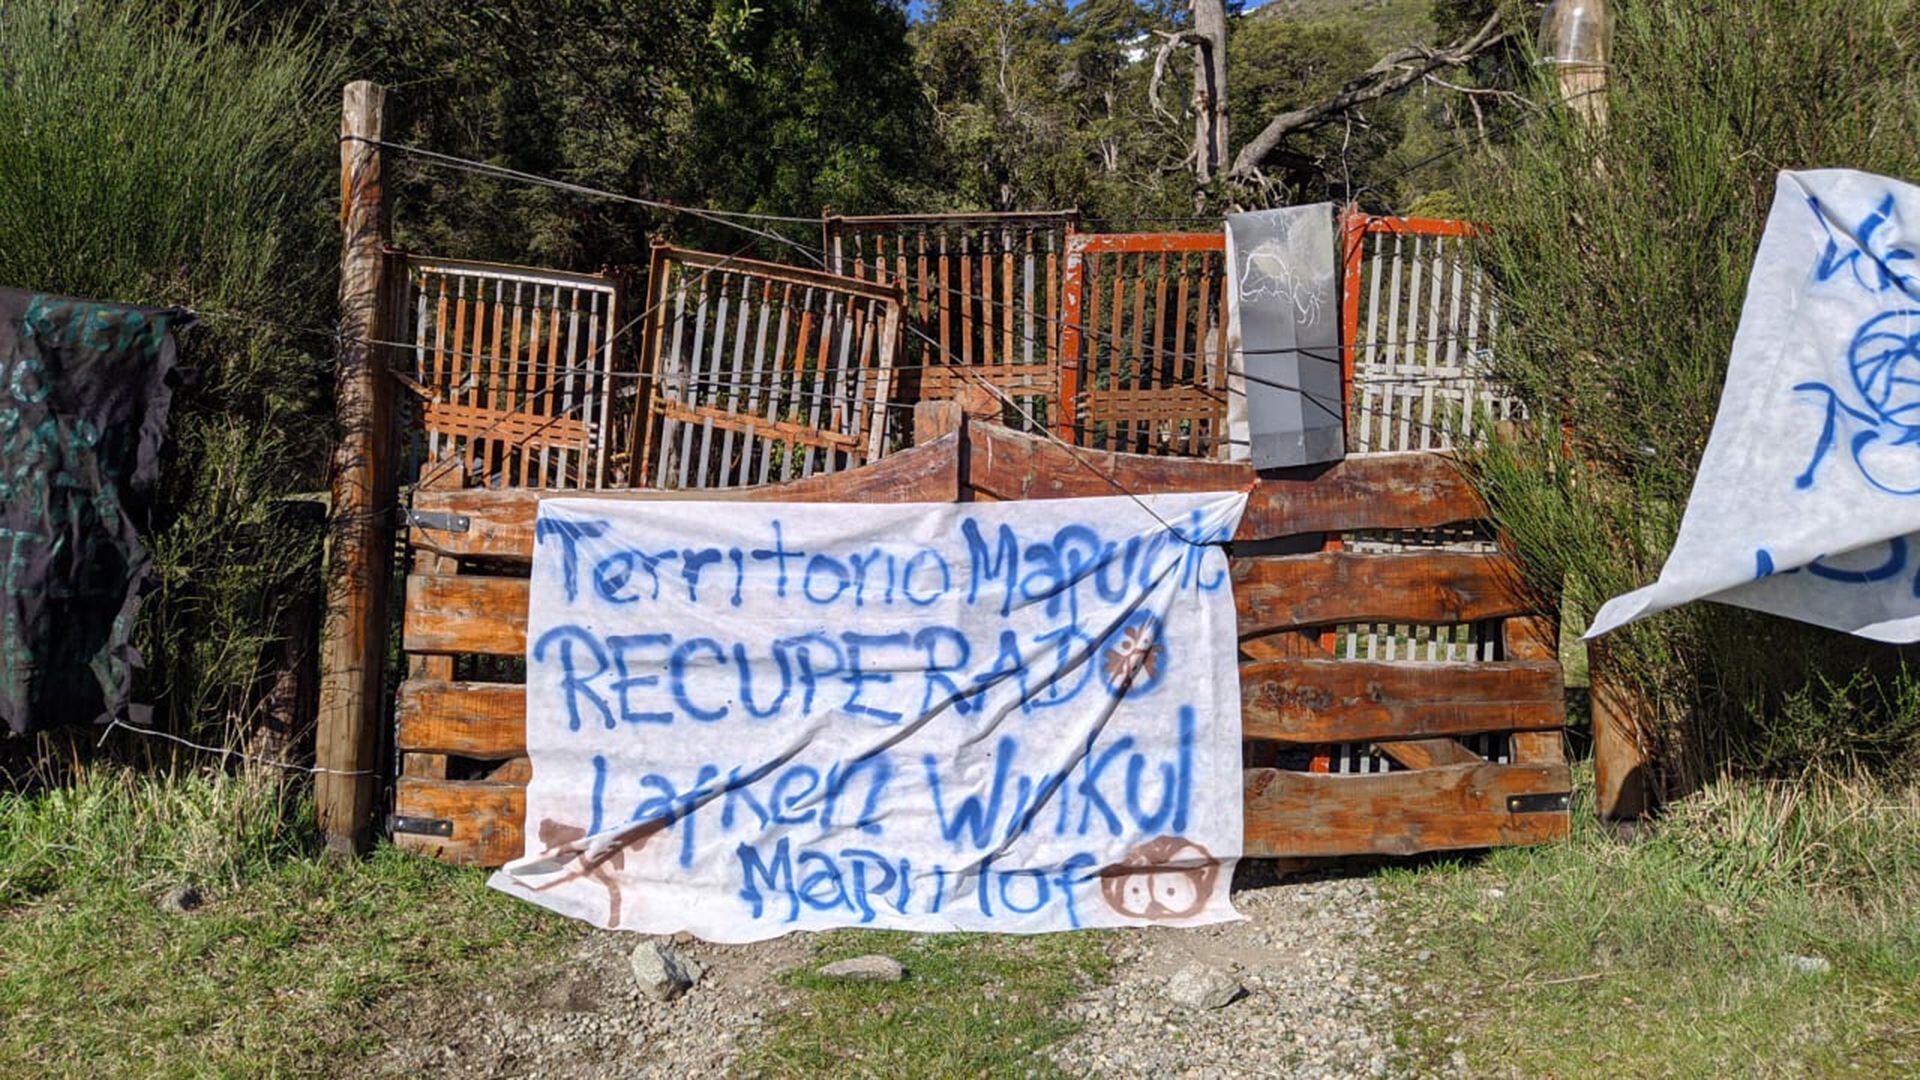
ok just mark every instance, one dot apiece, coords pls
pixel 1668 955
pixel 277 973
pixel 971 1005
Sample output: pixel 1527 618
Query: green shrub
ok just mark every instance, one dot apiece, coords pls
pixel 155 153
pixel 1623 259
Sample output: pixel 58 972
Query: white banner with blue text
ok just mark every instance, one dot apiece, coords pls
pixel 746 719
pixel 1807 499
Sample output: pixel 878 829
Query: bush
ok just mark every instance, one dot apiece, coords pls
pixel 1623 258
pixel 154 153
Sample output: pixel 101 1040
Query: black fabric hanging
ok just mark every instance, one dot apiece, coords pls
pixel 84 392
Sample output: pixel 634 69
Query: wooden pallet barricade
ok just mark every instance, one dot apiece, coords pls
pixel 461 717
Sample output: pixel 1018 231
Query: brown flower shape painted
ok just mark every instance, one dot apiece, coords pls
pixel 1136 653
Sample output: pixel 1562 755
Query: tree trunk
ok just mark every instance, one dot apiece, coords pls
pixel 1209 89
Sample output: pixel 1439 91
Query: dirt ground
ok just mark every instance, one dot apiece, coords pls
pixel 1308 1006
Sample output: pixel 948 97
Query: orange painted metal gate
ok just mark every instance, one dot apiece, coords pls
pixel 1143 357
pixel 760 372
pixel 983 296
pixel 1418 321
pixel 511 370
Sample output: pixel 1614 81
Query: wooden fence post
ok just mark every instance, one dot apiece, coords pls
pixel 1623 789
pixel 361 539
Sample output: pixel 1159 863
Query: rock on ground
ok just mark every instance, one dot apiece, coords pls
pixel 871 968
pixel 661 973
pixel 1197 986
pixel 1809 965
pixel 1312 1005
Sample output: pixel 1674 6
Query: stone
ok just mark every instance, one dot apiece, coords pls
pixel 870 968
pixel 180 899
pixel 571 996
pixel 1809 965
pixel 661 973
pixel 1197 986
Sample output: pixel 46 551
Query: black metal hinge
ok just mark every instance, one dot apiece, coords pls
pixel 438 521
pixel 1553 803
pixel 419 826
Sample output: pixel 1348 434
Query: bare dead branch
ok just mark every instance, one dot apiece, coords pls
pixel 1392 73
pixel 1171 41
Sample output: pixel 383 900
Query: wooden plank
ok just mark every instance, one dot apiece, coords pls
pixel 485 816
pixel 1101 243
pixel 1622 762
pixel 1296 815
pixel 1288 814
pixel 511 771
pixel 1423 587
pixel 1363 491
pixel 1374 491
pixel 1157 405
pixel 1533 637
pixel 1308 700
pixel 515 427
pixel 472 719
pixel 466 614
pixel 1539 746
pixel 732 420
pixel 1429 753
pixel 431 766
pixel 501 520
pixel 945 381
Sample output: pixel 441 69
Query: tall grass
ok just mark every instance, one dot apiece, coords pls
pixel 115 828
pixel 153 152
pixel 1756 929
pixel 1623 259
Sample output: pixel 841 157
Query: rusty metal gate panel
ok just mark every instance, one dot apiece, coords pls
pixel 511 368
pixel 762 372
pixel 983 293
pixel 1419 320
pixel 1144 353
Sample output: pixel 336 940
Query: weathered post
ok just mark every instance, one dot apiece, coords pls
pixel 1576 38
pixel 361 530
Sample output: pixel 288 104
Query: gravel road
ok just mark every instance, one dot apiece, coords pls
pixel 1308 1004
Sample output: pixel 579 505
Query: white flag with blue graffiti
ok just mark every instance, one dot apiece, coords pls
pixel 751 718
pixel 1807 500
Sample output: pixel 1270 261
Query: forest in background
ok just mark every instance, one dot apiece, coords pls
pixel 791 106
pixel 184 152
